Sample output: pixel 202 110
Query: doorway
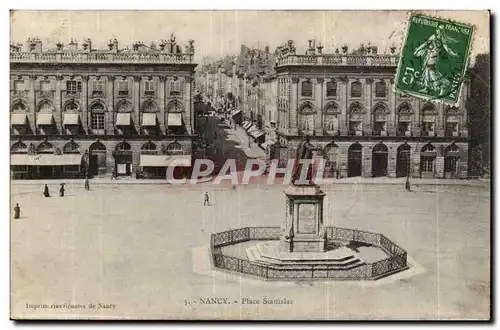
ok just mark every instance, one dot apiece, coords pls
pixel 379 160
pixel 355 160
pixel 403 160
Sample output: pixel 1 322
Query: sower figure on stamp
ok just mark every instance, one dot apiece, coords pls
pixel 304 152
pixel 430 51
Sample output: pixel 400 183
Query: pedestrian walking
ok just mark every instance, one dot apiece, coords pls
pixel 113 175
pixel 207 199
pixel 46 191
pixel 87 185
pixel 61 190
pixel 17 211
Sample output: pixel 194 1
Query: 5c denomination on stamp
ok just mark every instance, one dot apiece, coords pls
pixel 434 58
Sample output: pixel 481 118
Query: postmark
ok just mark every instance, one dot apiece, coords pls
pixel 434 58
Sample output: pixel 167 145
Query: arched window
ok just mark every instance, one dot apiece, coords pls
pixel 71 107
pixel 45 148
pixel 97 116
pixel 45 106
pixel 356 89
pixel 452 122
pixel 149 106
pixel 306 118
pixel 71 148
pixel 124 106
pixel 123 146
pixel 148 146
pixel 175 106
pixel 356 119
pixel 331 88
pixel 404 119
pixel 380 89
pixel 175 148
pixel 331 122
pixel 19 106
pixel 19 148
pixel 380 120
pixel 307 89
pixel 428 120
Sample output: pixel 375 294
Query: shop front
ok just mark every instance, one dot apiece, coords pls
pixel 46 166
pixel 155 166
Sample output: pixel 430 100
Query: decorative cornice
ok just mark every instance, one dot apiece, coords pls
pixel 85 77
pixel 163 78
pixel 295 80
pixel 137 78
pixel 369 81
pixel 320 80
pixel 344 79
pixel 32 77
pixel 61 77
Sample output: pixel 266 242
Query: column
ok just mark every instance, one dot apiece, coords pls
pixel 32 103
pixel 57 107
pixel 367 161
pixel 391 160
pixel 440 119
pixel 393 112
pixel 292 128
pixel 188 104
pixel 161 105
pixel 416 121
pixel 136 99
pixel 110 96
pixel 344 94
pixel 368 106
pixel 85 104
pixel 318 96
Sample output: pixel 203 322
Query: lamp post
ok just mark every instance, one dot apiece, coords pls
pixel 408 168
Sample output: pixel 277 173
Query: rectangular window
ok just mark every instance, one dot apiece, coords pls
pixel 73 86
pixel 331 89
pixel 19 85
pixel 380 89
pixel 97 121
pixel 149 88
pixel 123 88
pixel 307 89
pixel 175 88
pixel 97 87
pixel 356 89
pixel 45 86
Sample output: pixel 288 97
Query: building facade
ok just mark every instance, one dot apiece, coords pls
pixel 346 103
pixel 78 111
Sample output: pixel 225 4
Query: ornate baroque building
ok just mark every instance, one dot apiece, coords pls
pixel 82 110
pixel 347 105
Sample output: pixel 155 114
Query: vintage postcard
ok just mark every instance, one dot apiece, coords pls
pixel 250 165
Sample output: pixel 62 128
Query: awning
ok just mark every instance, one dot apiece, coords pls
pixel 174 119
pixel 149 119
pixel 71 119
pixel 257 134
pixel 45 159
pixel 123 119
pixel 165 160
pixel 252 129
pixel 18 119
pixel 268 143
pixel 247 125
pixel 235 112
pixel 44 119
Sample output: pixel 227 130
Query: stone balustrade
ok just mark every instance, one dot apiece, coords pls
pixel 99 58
pixel 339 60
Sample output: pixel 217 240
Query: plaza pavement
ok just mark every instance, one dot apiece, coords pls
pixel 135 246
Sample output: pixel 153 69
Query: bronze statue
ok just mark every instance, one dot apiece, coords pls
pixel 304 151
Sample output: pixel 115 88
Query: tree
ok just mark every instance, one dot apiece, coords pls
pixel 479 113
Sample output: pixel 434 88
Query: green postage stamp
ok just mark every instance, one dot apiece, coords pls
pixel 434 58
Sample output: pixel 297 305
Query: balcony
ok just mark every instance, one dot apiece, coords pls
pixel 25 57
pixel 339 60
pixel 428 133
pixel 46 94
pixel 22 93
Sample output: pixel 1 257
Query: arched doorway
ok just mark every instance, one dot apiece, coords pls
pixel 403 160
pixel 452 156
pixel 379 160
pixel 355 160
pixel 331 155
pixel 97 159
pixel 123 158
pixel 427 161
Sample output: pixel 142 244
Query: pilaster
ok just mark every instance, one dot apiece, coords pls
pixel 292 128
pixel 32 103
pixel 136 99
pixel 161 105
pixel 85 104
pixel 318 96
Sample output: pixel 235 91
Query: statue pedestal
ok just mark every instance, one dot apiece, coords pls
pixel 303 229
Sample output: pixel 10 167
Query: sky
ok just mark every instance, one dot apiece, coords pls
pixel 221 32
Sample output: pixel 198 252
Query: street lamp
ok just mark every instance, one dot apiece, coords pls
pixel 407 184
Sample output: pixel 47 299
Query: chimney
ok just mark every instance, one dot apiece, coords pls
pixel 73 45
